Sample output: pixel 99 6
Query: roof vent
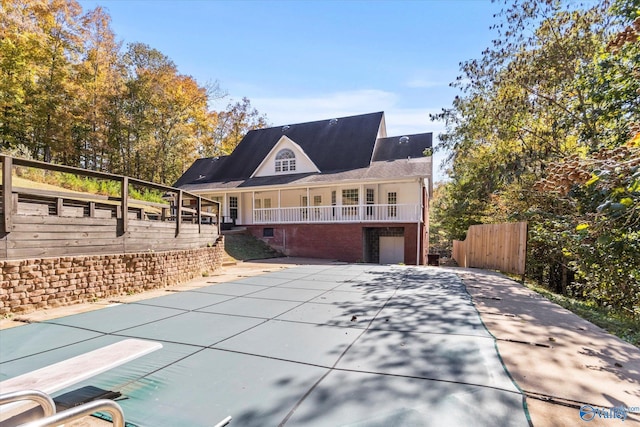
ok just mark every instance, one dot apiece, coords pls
pixel 333 122
pixel 200 177
pixel 404 139
pixel 286 128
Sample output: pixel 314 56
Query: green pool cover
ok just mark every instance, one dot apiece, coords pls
pixel 318 345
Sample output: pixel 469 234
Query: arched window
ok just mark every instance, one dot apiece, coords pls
pixel 285 161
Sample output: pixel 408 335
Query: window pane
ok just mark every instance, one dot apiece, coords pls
pixel 285 161
pixel 350 196
pixel 285 154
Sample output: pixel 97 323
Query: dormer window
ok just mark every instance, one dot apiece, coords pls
pixel 285 161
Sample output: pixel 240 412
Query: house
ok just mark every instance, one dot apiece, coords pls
pixel 335 189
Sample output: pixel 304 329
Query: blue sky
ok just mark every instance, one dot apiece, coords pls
pixel 301 61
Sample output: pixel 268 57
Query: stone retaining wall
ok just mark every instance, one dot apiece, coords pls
pixel 31 284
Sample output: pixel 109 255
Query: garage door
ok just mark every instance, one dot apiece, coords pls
pixel 391 250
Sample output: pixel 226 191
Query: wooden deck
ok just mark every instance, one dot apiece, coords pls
pixel 40 223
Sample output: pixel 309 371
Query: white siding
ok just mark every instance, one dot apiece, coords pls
pixel 406 192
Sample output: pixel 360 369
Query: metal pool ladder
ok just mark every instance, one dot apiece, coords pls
pixel 51 418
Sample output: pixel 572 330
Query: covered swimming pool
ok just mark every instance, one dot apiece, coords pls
pixel 314 345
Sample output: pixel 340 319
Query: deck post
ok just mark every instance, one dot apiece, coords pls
pixel 198 213
pixel 59 206
pixel 7 192
pixel 178 211
pixel 124 203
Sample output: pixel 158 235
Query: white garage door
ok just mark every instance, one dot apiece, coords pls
pixel 391 250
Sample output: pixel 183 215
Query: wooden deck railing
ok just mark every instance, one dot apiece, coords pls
pixel 37 222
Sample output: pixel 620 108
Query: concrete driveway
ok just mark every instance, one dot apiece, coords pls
pixel 326 345
pixel 562 363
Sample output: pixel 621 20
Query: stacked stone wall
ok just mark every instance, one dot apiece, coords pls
pixel 31 284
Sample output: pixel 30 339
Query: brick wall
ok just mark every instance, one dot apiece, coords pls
pixel 27 285
pixel 342 242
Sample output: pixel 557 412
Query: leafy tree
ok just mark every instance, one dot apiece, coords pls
pixel 230 126
pixel 552 90
pixel 41 40
pixel 69 95
pixel 100 77
pixel 163 111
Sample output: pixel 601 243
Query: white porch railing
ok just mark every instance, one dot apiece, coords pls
pixel 324 214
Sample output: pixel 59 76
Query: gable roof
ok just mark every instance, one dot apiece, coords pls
pixel 335 146
pixel 284 139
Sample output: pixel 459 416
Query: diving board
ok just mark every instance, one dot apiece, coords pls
pixel 61 375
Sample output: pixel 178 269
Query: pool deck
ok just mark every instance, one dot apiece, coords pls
pixel 559 361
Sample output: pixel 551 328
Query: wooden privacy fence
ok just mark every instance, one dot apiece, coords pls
pixel 494 246
pixel 39 223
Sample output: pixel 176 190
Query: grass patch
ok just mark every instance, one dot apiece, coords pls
pixel 620 324
pixel 58 181
pixel 245 247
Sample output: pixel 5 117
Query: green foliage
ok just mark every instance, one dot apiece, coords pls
pixel 70 95
pixel 544 131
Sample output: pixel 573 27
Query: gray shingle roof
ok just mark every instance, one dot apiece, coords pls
pixel 346 148
pixel 402 147
pixel 201 171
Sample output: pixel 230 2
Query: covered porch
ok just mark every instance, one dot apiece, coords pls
pixel 329 214
pixel 399 202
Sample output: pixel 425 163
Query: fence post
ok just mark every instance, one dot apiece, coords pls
pixel 522 248
pixel 7 192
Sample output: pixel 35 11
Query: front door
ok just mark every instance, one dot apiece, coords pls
pixel 233 209
pixel 391 249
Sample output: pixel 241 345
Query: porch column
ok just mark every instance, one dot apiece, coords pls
pixel 361 200
pixel 308 204
pixel 279 207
